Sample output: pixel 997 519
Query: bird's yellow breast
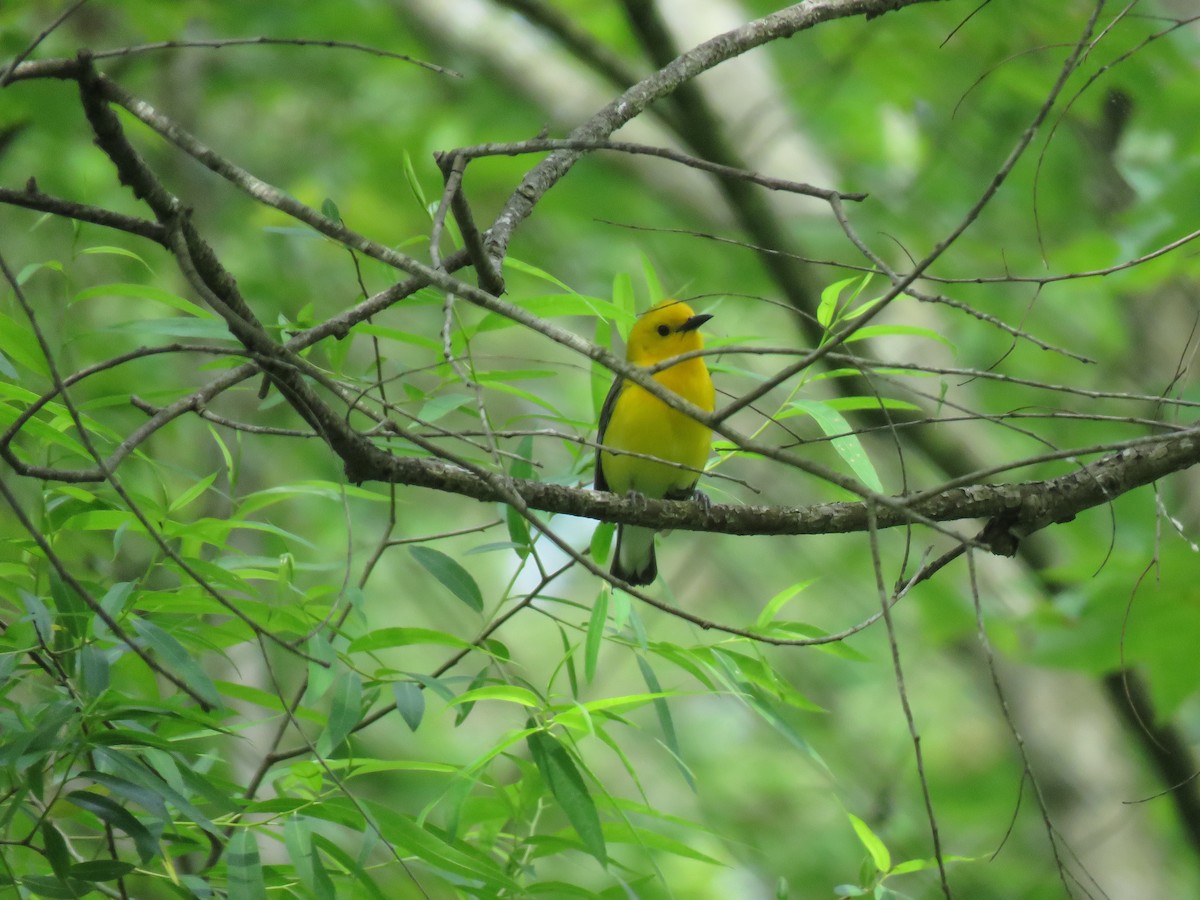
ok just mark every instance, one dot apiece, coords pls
pixel 641 423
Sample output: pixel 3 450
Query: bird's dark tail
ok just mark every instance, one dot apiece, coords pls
pixel 633 558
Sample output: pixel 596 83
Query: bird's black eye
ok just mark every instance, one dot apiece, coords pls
pixel 664 330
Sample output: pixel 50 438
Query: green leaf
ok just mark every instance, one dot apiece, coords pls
pixel 298 838
pixel 410 701
pixel 115 251
pixel 844 404
pixel 556 305
pixel 344 712
pixel 18 344
pixel 595 633
pixel 175 659
pixel 56 849
pixel 47 886
pixel 777 602
pixel 922 865
pixel 383 638
pixel 879 852
pixel 453 577
pixel 624 300
pixel 509 693
pixel 829 300
pixel 28 271
pixel 93 671
pixel 101 870
pixel 665 721
pixel 441 405
pixel 176 327
pixel 511 262
pixel 870 331
pixel 414 183
pixel 396 334
pixel 112 813
pixel 147 292
pixel 192 493
pixel 653 284
pixel 846 443
pixel 566 784
pixel 602 538
pixel 245 867
pixel 163 779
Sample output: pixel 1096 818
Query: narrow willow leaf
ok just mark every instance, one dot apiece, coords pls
pixel 147 292
pixel 192 493
pixel 112 813
pixel 93 671
pixel 177 660
pixel 410 701
pixel 298 839
pixel 344 712
pixel 871 331
pixel 414 183
pixel 522 465
pixel 829 300
pixel 653 284
pixel 52 886
pixel 19 345
pixel 31 269
pixel 518 531
pixel 431 849
pixel 511 262
pixel 847 444
pixel 101 870
pixel 245 867
pixel 382 638
pixel 452 576
pixel 879 852
pixel 665 722
pixel 623 833
pixel 566 785
pixel 115 251
pixel 55 847
pixel 602 542
pixel 465 706
pixel 595 634
pixel 920 865
pixel 509 693
pixel 843 404
pixel 442 405
pixel 569 661
pixel 777 602
pixel 39 614
pixel 121 787
pixel 161 779
pixel 320 669
pixel 356 868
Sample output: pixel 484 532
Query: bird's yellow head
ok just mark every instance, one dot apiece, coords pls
pixel 667 330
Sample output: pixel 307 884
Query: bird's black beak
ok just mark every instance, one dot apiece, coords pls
pixel 693 323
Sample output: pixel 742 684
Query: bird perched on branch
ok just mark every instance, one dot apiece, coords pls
pixel 635 421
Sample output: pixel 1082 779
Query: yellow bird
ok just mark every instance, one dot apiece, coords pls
pixel 635 421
